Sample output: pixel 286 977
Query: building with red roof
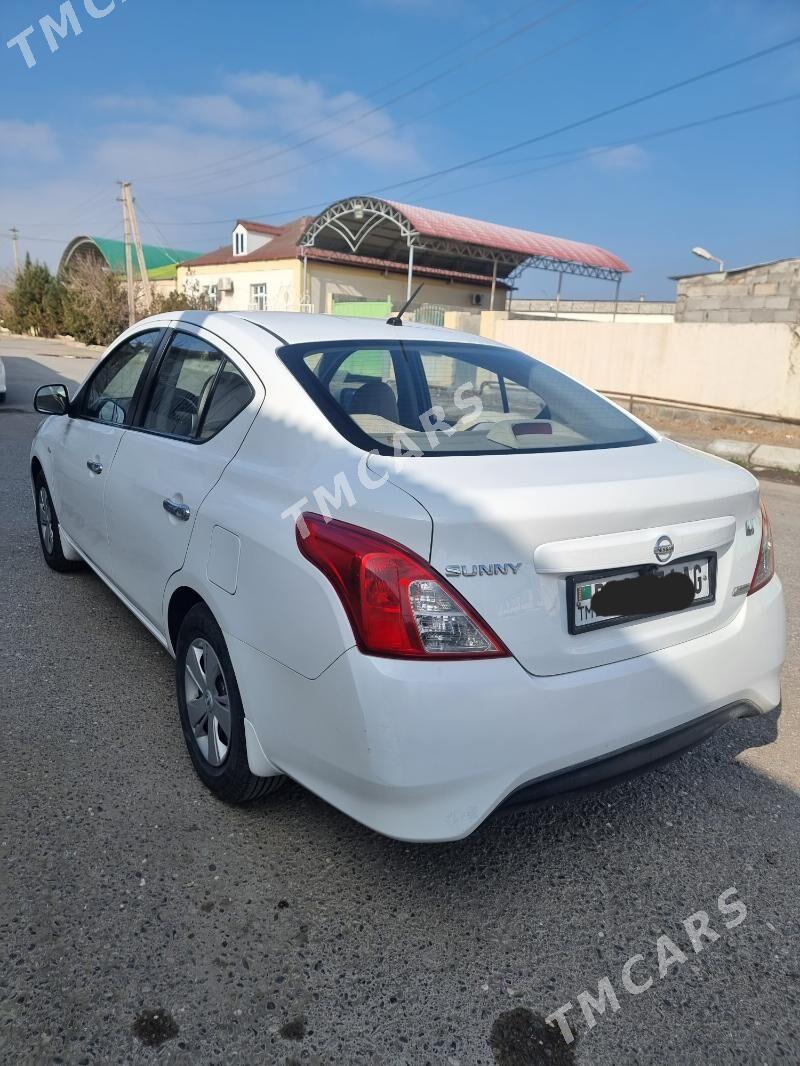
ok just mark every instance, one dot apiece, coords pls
pixel 363 255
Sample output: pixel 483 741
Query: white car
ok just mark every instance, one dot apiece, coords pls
pixel 422 574
pixel 2 382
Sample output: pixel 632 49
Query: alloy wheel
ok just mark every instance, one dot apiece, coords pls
pixel 207 701
pixel 46 520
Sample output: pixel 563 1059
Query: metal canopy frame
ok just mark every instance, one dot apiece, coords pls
pixel 355 219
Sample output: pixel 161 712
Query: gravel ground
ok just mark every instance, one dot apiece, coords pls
pixel 142 921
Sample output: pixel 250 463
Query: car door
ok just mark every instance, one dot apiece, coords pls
pixel 96 424
pixel 199 402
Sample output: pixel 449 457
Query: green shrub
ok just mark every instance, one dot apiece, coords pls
pixel 35 301
pixel 195 300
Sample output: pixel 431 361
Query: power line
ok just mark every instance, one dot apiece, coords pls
pixel 599 150
pixel 525 28
pixel 47 240
pixel 354 103
pixel 537 138
pixel 598 114
pixel 163 247
pixel 431 111
pixel 38 224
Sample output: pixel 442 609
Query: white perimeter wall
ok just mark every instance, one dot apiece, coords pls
pixel 742 367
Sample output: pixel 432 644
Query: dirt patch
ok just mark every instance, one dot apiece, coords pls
pixel 154 1027
pixel 521 1037
pixel 294 1029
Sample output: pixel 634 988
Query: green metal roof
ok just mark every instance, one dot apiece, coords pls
pixel 114 254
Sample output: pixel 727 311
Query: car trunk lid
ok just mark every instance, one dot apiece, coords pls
pixel 572 512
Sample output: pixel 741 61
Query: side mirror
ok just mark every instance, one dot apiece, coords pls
pixel 51 400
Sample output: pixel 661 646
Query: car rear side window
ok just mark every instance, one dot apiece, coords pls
pixel 232 393
pixel 110 393
pixel 411 397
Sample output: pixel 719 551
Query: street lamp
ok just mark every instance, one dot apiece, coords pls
pixel 703 254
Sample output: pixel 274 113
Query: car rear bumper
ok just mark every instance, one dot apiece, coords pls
pixel 426 751
pixel 622 765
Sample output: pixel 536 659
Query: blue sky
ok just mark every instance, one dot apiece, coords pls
pixel 203 106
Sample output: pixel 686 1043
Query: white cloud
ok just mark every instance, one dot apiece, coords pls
pixel 217 110
pixel 24 142
pixel 124 105
pixel 243 135
pixel 625 158
pixel 212 110
pixel 150 151
pixel 343 122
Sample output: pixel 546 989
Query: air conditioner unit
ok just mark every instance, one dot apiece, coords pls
pixel 477 299
pixel 225 285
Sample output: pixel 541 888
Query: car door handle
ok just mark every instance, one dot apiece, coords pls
pixel 94 466
pixel 179 510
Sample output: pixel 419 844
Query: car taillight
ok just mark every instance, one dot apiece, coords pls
pixel 765 567
pixel 397 604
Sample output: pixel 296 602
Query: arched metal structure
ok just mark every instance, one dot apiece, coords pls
pixel 377 229
pixel 111 255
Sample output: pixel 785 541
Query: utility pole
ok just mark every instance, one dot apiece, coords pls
pixel 15 241
pixel 128 260
pixel 134 225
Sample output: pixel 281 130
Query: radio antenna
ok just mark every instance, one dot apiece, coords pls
pixel 397 320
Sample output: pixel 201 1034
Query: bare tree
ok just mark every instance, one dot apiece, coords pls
pixel 95 304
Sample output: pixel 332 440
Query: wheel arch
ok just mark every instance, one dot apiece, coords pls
pixel 181 601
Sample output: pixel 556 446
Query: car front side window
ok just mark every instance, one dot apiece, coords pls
pixel 182 387
pixel 110 394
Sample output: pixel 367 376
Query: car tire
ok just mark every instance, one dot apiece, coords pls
pixel 212 715
pixel 49 530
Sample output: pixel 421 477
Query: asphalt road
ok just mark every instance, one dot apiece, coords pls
pixel 142 921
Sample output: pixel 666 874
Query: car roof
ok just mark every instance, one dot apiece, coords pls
pixel 296 327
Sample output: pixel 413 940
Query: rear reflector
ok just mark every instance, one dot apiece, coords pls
pixel 397 604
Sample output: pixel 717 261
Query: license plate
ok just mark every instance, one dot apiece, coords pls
pixel 700 569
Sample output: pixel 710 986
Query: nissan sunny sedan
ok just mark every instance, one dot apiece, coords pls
pixel 423 574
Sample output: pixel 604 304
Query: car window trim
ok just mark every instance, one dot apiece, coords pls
pixel 152 373
pixel 76 407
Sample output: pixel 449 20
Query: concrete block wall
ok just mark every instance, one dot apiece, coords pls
pixel 768 293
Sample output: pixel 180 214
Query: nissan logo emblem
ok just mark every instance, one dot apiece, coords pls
pixel 663 549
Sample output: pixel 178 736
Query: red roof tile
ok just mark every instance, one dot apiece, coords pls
pixel 491 235
pixel 259 227
pixel 282 246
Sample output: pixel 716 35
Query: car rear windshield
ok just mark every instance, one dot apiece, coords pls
pixel 409 397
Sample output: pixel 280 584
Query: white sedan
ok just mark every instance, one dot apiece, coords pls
pixel 422 574
pixel 2 382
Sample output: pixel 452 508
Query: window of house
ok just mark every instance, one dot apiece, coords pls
pixel 239 238
pixel 258 297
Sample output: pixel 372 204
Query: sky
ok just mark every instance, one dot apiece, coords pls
pixel 250 109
